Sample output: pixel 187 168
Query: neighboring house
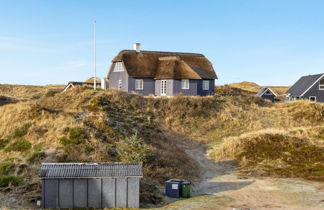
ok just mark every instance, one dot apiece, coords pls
pixel 267 93
pixel 90 185
pixel 309 87
pixel 72 85
pixel 162 73
pixel 100 83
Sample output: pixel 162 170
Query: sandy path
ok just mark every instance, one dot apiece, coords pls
pixel 255 193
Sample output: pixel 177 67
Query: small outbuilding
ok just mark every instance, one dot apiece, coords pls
pixel 267 93
pixel 72 85
pixel 90 185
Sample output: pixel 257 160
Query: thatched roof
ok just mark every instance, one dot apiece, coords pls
pixel 165 65
pixel 91 80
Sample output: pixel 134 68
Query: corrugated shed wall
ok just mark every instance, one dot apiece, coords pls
pixel 91 193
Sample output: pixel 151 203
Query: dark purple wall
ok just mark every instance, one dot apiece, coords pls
pixel 211 90
pixel 151 86
pixel 269 97
pixel 192 91
pixel 148 86
pixel 315 91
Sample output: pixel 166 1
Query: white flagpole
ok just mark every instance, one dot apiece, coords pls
pixel 95 69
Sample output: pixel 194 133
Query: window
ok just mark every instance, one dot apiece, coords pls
pixel 185 84
pixel 321 85
pixel 120 84
pixel 119 67
pixel 267 93
pixel 312 98
pixel 205 85
pixel 163 87
pixel 139 84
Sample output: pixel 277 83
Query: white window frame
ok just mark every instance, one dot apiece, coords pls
pixel 321 86
pixel 163 87
pixel 185 84
pixel 120 84
pixel 205 85
pixel 312 97
pixel 119 67
pixel 139 84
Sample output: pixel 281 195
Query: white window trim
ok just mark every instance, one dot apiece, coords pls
pixel 120 68
pixel 312 97
pixel 320 86
pixel 205 87
pixel 139 84
pixel 185 84
pixel 319 79
pixel 163 89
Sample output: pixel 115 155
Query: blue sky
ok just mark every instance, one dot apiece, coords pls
pixel 270 42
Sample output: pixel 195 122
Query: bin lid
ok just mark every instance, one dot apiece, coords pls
pixel 175 180
pixel 185 182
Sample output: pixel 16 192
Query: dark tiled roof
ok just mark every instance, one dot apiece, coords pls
pixel 165 65
pixel 303 84
pixel 89 170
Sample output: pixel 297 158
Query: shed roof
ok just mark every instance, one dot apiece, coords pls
pixel 264 90
pixel 303 84
pixel 90 170
pixel 165 65
pixel 72 83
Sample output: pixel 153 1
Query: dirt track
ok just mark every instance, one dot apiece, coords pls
pixel 255 193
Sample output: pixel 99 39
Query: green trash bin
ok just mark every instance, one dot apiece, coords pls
pixel 185 189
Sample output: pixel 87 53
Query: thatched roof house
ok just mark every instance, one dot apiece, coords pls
pixel 162 73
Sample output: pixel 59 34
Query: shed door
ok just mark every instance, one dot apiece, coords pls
pixel 163 87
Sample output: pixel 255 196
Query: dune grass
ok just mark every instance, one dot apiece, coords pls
pixel 83 125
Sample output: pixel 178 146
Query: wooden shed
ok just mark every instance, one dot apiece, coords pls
pixel 90 185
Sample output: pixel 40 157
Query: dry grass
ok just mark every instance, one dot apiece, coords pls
pixel 107 119
pixel 26 92
pixel 110 118
pixel 274 153
pixel 254 88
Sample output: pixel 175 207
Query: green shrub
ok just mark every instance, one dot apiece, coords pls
pixel 76 136
pixel 22 131
pixel 7 180
pixel 133 149
pixel 37 156
pixel 3 143
pixel 6 168
pixel 19 145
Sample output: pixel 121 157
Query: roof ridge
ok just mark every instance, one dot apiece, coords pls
pixel 163 52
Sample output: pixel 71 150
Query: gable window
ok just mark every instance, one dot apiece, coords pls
pixel 312 98
pixel 184 84
pixel 267 93
pixel 120 84
pixel 205 85
pixel 139 84
pixel 119 67
pixel 321 85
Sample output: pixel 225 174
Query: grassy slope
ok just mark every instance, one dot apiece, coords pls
pixel 97 124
